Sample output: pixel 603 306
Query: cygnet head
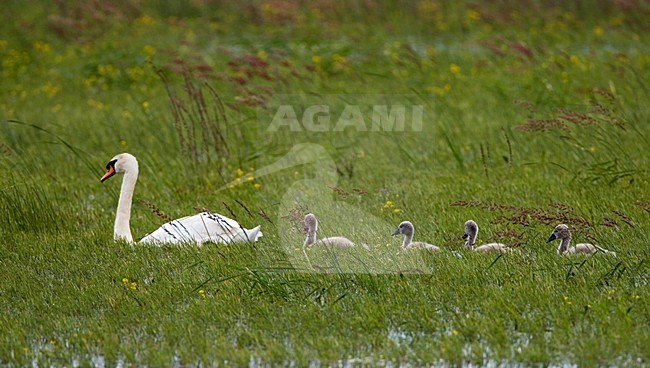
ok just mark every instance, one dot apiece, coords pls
pixel 310 223
pixel 471 230
pixel 119 164
pixel 406 228
pixel 561 231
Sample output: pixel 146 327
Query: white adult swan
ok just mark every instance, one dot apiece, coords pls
pixel 563 233
pixel 407 229
pixel 311 227
pixel 471 232
pixel 200 228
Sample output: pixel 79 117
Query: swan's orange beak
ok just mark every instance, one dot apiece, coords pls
pixel 110 171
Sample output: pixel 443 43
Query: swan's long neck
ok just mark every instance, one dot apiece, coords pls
pixel 564 245
pixel 311 236
pixel 122 229
pixel 471 241
pixel 408 237
pixel 471 238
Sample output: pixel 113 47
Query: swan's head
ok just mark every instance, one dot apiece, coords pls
pixel 124 162
pixel 471 229
pixel 560 232
pixel 405 228
pixel 310 224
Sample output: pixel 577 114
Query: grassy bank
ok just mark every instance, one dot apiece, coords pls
pixel 531 115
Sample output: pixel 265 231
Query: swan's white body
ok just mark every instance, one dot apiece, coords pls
pixel 407 229
pixel 471 232
pixel 201 228
pixel 337 241
pixel 311 227
pixel 492 247
pixel 563 233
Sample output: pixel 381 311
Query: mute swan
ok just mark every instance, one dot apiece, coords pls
pixel 199 228
pixel 406 228
pixel 471 232
pixel 311 227
pixel 563 233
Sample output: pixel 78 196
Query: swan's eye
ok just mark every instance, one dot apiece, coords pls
pixel 111 164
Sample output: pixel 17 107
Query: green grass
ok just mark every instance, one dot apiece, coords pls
pixel 533 115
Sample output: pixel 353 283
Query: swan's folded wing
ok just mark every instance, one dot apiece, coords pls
pixel 201 228
pixel 585 248
pixel 337 241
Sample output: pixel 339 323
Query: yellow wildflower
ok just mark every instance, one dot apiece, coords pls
pixel 262 54
pixel 135 73
pixel 146 20
pixel 42 47
pixel 90 81
pixel 388 204
pixel 256 185
pixel 338 62
pixel 107 70
pixel 454 69
pixel 149 50
pixel 96 104
pixel 598 31
pixel 315 59
pixel 50 89
pixel 125 280
pixel 473 15
pixel 134 285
